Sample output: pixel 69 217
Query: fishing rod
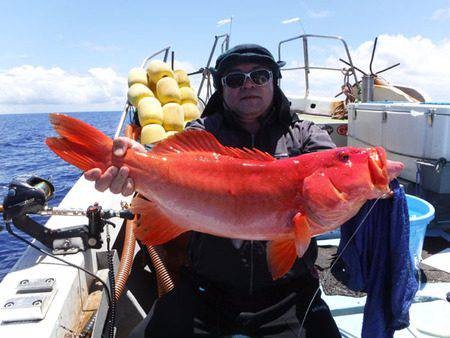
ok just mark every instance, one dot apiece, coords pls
pixel 30 197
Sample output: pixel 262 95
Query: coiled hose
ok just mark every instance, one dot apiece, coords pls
pixel 126 259
pixel 165 282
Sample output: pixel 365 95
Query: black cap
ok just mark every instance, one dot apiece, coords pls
pixel 245 53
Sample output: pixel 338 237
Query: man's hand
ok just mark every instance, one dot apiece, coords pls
pixel 116 179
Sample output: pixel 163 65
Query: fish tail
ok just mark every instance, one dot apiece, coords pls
pixel 79 143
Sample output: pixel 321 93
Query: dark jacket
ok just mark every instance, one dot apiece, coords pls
pixel 241 266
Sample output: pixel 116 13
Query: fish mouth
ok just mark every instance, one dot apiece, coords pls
pixel 378 169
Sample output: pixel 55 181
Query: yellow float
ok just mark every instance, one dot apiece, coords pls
pixel 138 91
pixel 182 78
pixel 150 111
pixel 167 90
pixel 191 111
pixel 152 133
pixel 171 133
pixel 137 75
pixel 188 95
pixel 173 117
pixel 157 70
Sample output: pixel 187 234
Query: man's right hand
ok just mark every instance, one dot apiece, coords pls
pixel 116 179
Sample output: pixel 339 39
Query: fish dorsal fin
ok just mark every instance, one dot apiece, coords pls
pixel 203 141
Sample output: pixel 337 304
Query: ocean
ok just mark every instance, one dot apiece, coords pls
pixel 23 153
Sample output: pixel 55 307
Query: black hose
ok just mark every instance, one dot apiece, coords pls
pixel 112 284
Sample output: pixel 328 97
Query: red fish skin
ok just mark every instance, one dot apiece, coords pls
pixel 221 195
pixel 194 183
pixel 248 199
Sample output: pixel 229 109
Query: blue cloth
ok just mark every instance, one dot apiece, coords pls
pixel 378 262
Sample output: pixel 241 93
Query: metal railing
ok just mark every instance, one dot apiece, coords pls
pixel 306 66
pixel 205 70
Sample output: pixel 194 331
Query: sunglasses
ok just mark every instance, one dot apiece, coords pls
pixel 237 79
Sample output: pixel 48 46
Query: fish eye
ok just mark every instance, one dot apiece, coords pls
pixel 343 156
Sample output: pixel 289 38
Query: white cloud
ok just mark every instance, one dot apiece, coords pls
pixel 223 22
pixel 441 14
pixel 288 21
pixel 37 89
pixel 30 88
pixel 424 64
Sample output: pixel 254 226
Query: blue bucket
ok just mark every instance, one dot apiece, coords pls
pixel 421 213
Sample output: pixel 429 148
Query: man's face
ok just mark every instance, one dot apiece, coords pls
pixel 249 101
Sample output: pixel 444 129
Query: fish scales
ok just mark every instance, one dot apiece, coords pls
pixel 209 188
pixel 191 182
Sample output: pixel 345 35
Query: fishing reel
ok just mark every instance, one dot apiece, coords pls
pixel 30 197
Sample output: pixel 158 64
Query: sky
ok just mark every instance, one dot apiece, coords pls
pixel 65 56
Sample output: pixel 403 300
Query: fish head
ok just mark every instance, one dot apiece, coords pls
pixel 361 172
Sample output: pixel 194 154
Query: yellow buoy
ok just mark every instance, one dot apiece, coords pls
pixel 152 133
pixel 188 95
pixel 171 132
pixel 137 75
pixel 157 70
pixel 182 78
pixel 150 111
pixel 167 90
pixel 173 117
pixel 138 91
pixel 191 111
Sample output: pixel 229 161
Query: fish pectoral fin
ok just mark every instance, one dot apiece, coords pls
pixel 281 255
pixel 302 232
pixel 153 227
pixel 319 189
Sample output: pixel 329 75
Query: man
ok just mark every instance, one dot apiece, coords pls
pixel 228 289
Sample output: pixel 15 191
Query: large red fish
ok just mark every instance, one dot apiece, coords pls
pixel 192 182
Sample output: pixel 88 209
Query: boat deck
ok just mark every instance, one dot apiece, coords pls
pixel 347 306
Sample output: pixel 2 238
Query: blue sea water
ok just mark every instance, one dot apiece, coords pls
pixel 23 153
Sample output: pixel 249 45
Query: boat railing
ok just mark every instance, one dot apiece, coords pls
pixel 205 71
pixel 307 68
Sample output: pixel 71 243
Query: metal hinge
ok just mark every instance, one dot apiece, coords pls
pixel 430 116
pixel 30 302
